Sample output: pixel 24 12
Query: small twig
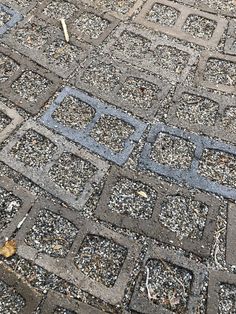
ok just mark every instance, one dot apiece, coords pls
pixel 21 222
pixel 147 279
pixel 219 231
pixel 64 27
pixel 179 281
pixel 215 254
pixel 216 245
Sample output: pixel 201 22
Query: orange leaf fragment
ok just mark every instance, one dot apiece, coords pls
pixel 8 249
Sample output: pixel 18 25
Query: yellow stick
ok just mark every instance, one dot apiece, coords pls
pixel 64 27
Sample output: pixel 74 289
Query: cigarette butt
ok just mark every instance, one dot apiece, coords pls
pixel 64 27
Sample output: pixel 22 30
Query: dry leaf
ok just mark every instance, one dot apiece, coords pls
pixel 8 249
pixel 57 247
pixel 173 300
pixel 142 193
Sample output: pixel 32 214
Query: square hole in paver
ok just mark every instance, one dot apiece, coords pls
pixel 4 121
pixel 91 25
pixel 229 118
pixel 10 301
pixel 170 58
pixel 31 85
pixel 101 259
pixel 72 173
pixel 74 113
pixel 120 6
pixel 62 54
pixel 61 310
pixel 163 14
pixel 227 299
pixel 222 5
pixel 199 26
pixel 189 216
pixel 197 109
pixel 33 149
pixel 25 3
pixel 132 198
pixel 139 93
pixel 60 9
pixel 33 35
pixel 218 166
pixel 9 206
pixel 101 76
pixel 7 67
pixel 111 132
pixel 132 45
pixel 173 151
pixel 51 234
pixel 233 46
pixel 169 285
pixel 220 71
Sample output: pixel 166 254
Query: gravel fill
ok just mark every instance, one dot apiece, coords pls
pixel 36 276
pixel 4 18
pixel 61 53
pixel 163 14
pixel 120 6
pixel 189 216
pixel 61 310
pixel 43 281
pixel 74 113
pixel 233 47
pixel 229 119
pixel 72 173
pixel 219 5
pixel 33 149
pixel 132 198
pixel 173 151
pixel 138 92
pixel 4 120
pixel 199 26
pixel 169 285
pixel 132 45
pixel 197 109
pixel 51 234
pixel 10 301
pixel 24 3
pixel 170 58
pixel 91 25
pixel 60 9
pixel 111 132
pixel 33 35
pixel 7 67
pixel 9 205
pixel 220 72
pixel 30 85
pixel 100 259
pixel 218 166
pixel 227 302
pixel 102 76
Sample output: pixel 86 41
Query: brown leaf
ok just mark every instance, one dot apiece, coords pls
pixel 8 249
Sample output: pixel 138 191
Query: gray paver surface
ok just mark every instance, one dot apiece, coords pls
pixel 118 156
